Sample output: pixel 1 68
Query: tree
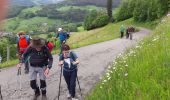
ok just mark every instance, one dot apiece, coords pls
pixel 109 9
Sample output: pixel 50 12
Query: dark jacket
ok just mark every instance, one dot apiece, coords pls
pixel 72 57
pixel 38 58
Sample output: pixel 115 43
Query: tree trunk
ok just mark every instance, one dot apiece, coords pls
pixel 109 9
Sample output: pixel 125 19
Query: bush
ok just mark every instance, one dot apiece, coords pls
pixel 70 27
pixel 95 20
pixel 3 49
pixel 101 21
pixel 142 10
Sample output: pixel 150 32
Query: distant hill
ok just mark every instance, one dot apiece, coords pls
pixel 32 2
pixel 72 2
pixel 92 2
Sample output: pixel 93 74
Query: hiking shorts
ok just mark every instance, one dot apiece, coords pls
pixel 35 71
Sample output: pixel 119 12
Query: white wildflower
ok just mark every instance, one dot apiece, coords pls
pixel 105 81
pixel 107 74
pixel 101 87
pixel 126 74
pixel 109 67
pixel 109 78
pixel 126 65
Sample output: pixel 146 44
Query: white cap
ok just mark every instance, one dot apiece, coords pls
pixel 60 29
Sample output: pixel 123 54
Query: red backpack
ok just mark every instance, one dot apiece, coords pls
pixel 23 43
pixel 50 46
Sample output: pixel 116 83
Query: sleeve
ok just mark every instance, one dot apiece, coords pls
pixel 57 35
pixel 25 55
pixel 50 57
pixel 61 57
pixel 74 55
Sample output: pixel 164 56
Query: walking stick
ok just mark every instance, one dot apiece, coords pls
pixel 1 98
pixel 20 84
pixel 60 83
pixel 79 87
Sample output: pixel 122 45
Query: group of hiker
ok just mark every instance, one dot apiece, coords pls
pixel 35 55
pixel 128 30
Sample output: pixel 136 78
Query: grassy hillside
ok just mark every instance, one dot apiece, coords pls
pixel 79 39
pixel 141 73
pixel 34 23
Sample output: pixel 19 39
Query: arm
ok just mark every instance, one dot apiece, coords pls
pixel 61 60
pixel 76 61
pixel 17 47
pixel 25 55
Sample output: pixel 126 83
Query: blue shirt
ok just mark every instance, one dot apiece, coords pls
pixel 62 36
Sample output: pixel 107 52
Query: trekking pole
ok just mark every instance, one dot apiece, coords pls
pixel 79 87
pixel 60 83
pixel 1 98
pixel 20 84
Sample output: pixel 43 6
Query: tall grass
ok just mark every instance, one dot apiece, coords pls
pixel 141 73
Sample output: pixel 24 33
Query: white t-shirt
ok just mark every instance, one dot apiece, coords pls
pixel 67 60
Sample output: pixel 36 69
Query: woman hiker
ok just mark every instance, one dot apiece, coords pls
pixel 69 60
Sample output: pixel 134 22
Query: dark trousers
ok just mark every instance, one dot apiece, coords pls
pixel 130 36
pixel 122 34
pixel 35 87
pixel 127 35
pixel 61 43
pixel 70 78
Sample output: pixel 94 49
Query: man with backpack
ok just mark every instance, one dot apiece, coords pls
pixel 40 63
pixel 23 42
pixel 63 36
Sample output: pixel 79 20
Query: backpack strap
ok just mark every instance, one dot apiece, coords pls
pixel 27 38
pixel 72 56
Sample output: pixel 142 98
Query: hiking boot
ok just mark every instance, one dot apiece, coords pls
pixel 68 95
pixel 74 99
pixel 44 97
pixel 36 96
pixel 26 71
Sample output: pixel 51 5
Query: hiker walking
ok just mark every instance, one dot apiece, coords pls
pixel 69 60
pixel 122 30
pixel 23 42
pixel 62 37
pixel 127 33
pixel 40 63
pixel 131 30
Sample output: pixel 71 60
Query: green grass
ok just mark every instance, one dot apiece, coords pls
pixel 141 73
pixel 81 29
pixel 9 63
pixel 149 25
pixel 89 8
